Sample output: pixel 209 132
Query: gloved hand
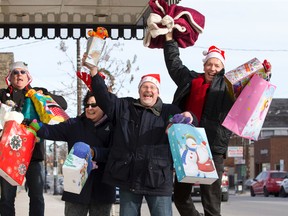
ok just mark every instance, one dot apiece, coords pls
pixel 11 103
pixel 179 118
pixel 86 78
pixel 35 125
pixel 267 66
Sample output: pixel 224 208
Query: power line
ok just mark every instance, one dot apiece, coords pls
pixel 200 47
pixel 24 44
pixel 248 50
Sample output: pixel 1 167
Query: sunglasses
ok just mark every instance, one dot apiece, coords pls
pixel 16 72
pixel 93 105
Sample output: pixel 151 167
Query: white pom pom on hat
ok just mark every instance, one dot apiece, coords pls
pixel 214 52
pixel 153 78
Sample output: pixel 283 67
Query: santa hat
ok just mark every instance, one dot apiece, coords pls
pixel 153 78
pixel 18 65
pixel 214 52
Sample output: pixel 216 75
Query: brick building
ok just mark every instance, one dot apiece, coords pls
pixel 269 152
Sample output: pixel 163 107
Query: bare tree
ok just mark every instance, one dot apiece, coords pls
pixel 118 72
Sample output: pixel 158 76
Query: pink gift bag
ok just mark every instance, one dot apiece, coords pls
pixel 248 113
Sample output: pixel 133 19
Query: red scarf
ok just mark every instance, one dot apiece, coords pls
pixel 195 101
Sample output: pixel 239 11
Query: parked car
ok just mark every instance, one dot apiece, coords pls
pixel 284 187
pixel 248 183
pixel 224 188
pixel 267 182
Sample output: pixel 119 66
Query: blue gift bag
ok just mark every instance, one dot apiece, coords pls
pixel 191 153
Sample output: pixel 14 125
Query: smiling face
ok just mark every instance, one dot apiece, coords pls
pixel 93 111
pixel 19 78
pixel 212 67
pixel 148 93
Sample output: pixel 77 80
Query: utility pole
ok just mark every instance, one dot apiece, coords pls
pixel 79 82
pixel 55 168
pixel 45 167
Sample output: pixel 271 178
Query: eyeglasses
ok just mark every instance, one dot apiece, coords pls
pixel 93 105
pixel 16 72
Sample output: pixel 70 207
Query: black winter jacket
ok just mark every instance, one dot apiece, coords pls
pixel 140 159
pixel 18 96
pixel 217 104
pixel 81 129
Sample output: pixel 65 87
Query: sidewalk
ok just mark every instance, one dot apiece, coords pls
pixel 54 206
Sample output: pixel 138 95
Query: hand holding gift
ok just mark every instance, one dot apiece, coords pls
pixel 267 67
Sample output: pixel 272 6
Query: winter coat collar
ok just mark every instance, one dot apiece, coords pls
pixel 156 108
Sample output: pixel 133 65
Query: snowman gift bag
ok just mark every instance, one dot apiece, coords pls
pixel 191 154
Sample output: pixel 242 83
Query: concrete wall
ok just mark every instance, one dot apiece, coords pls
pixel 6 58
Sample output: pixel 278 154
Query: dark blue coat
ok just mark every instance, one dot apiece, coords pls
pixel 81 129
pixel 140 159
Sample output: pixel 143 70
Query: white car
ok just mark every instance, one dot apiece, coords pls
pixel 284 187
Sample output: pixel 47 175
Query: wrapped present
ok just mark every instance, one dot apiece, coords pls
pixel 28 110
pixel 237 78
pixel 95 45
pixel 16 148
pixel 247 115
pixel 47 109
pixel 191 153
pixel 77 167
pixel 186 23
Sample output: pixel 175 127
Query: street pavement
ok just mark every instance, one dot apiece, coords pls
pixel 54 206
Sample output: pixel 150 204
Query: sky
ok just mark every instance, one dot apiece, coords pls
pixel 245 29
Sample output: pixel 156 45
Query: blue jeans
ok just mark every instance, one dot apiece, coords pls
pixel 94 208
pixel 130 204
pixel 7 201
pixel 35 185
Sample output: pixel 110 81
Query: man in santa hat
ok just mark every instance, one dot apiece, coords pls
pixel 140 162
pixel 205 95
pixel 18 81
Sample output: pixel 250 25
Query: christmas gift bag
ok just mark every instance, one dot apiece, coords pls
pixel 237 78
pixel 95 45
pixel 16 148
pixel 47 109
pixel 29 111
pixel 191 154
pixel 77 167
pixel 248 113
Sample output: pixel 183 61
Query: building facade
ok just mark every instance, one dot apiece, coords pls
pixel 268 153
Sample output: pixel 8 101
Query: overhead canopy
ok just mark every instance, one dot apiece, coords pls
pixel 73 18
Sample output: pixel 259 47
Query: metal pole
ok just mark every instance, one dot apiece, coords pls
pixel 55 169
pixel 45 168
pixel 79 82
